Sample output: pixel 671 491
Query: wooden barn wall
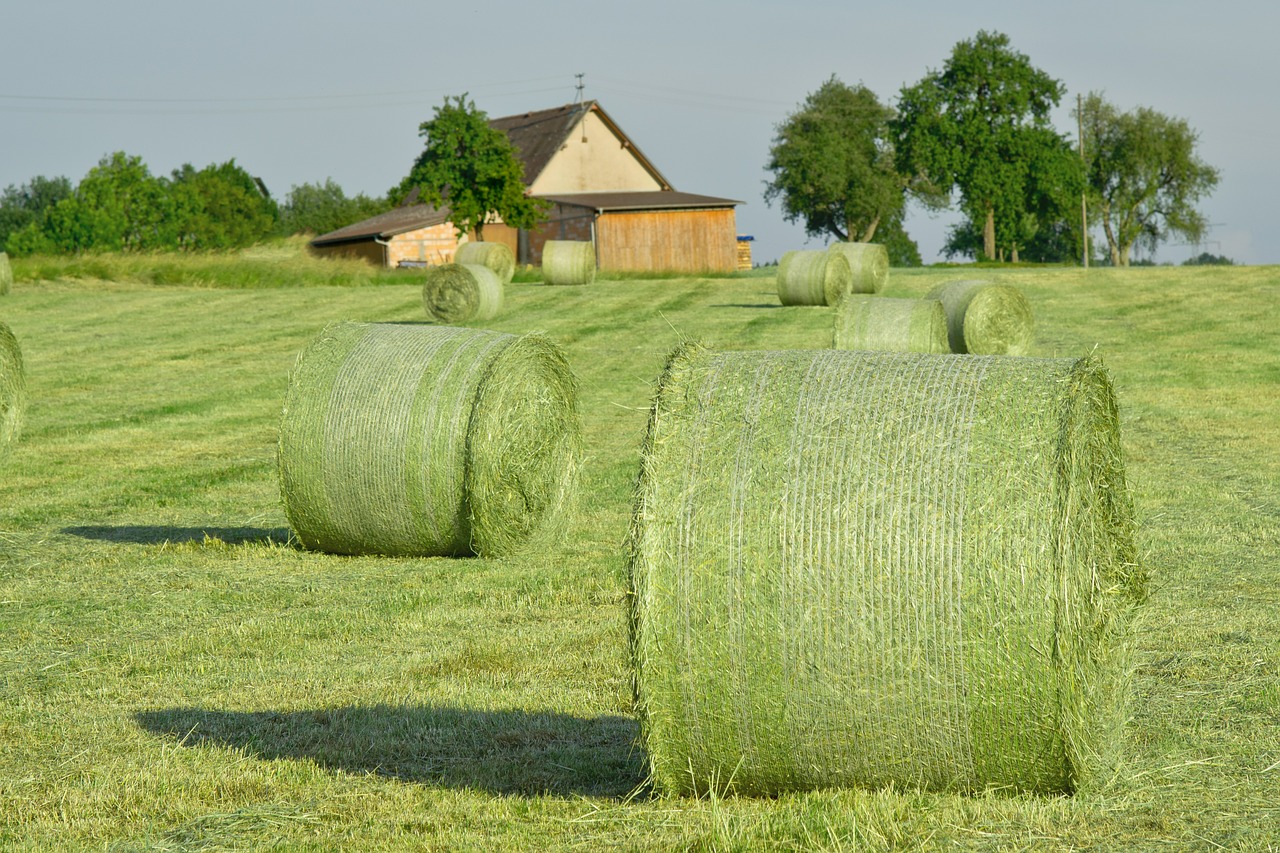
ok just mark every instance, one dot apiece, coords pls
pixel 675 240
pixel 365 249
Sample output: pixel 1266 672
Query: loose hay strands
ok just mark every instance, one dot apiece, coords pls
pixel 809 277
pixel 873 569
pixel 568 262
pixel 496 256
pixel 6 274
pixel 13 389
pixel 985 318
pixel 890 325
pixel 427 440
pixel 457 293
pixel 869 263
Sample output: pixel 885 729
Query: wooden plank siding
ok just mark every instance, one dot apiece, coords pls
pixel 688 241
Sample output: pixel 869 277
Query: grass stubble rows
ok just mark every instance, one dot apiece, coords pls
pixel 174 674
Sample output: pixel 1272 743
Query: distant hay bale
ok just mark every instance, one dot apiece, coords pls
pixel 890 325
pixel 869 263
pixel 872 569
pixel 6 274
pixel 984 318
pixel 812 277
pixel 428 441
pixel 495 256
pixel 457 293
pixel 13 389
pixel 568 262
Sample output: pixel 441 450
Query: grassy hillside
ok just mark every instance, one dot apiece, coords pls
pixel 174 675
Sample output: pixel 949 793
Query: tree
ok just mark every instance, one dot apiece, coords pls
pixel 321 208
pixel 833 165
pixel 21 206
pixel 472 168
pixel 1143 175
pixel 221 207
pixel 981 126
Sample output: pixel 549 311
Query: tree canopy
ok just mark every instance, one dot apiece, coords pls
pixel 472 168
pixel 981 126
pixel 1144 176
pixel 321 208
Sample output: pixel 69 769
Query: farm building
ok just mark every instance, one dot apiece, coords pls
pixel 601 188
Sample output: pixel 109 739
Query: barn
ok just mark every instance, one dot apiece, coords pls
pixel 601 188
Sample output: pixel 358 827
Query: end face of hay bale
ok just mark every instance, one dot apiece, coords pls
pixel 869 263
pixel 984 318
pixel 813 277
pixel 855 568
pixel 381 451
pixel 890 325
pixel 6 274
pixel 496 256
pixel 13 389
pixel 458 293
pixel 571 262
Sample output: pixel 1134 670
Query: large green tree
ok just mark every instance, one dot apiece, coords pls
pixel 321 208
pixel 221 206
pixel 472 168
pixel 981 126
pixel 1144 176
pixel 833 164
pixel 27 204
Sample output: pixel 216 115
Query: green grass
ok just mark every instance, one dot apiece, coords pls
pixel 175 676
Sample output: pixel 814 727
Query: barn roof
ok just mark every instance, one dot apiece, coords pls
pixel 539 135
pixel 410 217
pixel 641 200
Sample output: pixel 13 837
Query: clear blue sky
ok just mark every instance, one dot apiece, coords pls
pixel 301 92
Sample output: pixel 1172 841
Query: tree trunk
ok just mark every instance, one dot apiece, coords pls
pixel 871 231
pixel 1013 253
pixel 480 231
pixel 989 233
pixel 1124 254
pixel 1113 245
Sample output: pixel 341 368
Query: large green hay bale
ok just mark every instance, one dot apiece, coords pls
pixel 457 293
pixel 890 325
pixel 427 440
pixel 855 568
pixel 6 274
pixel 496 256
pixel 984 318
pixel 811 277
pixel 568 262
pixel 13 389
pixel 869 263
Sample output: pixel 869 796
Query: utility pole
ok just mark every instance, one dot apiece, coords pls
pixel 581 87
pixel 1084 207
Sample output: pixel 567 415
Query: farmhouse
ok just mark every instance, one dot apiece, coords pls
pixel 601 188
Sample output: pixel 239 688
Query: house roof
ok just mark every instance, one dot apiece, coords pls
pixel 539 135
pixel 410 217
pixel 646 200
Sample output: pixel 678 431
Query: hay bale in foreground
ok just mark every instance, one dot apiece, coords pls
pixel 984 318
pixel 496 256
pixel 890 325
pixel 427 440
pixel 813 277
pixel 6 274
pixel 875 569
pixel 13 389
pixel 457 293
pixel 568 262
pixel 869 263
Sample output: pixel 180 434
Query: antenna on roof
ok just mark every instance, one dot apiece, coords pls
pixel 581 87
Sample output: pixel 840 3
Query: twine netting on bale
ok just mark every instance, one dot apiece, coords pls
pixel 6 274
pixel 811 277
pixel 984 318
pixel 890 325
pixel 568 262
pixel 427 440
pixel 13 389
pixel 869 263
pixel 855 568
pixel 496 256
pixel 457 293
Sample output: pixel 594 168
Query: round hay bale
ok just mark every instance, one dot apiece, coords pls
pixel 13 389
pixel 873 569
pixel 457 293
pixel 890 325
pixel 984 318
pixel 568 262
pixel 811 277
pixel 869 263
pixel 427 440
pixel 6 274
pixel 496 256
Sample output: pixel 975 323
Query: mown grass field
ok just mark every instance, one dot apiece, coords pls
pixel 174 675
